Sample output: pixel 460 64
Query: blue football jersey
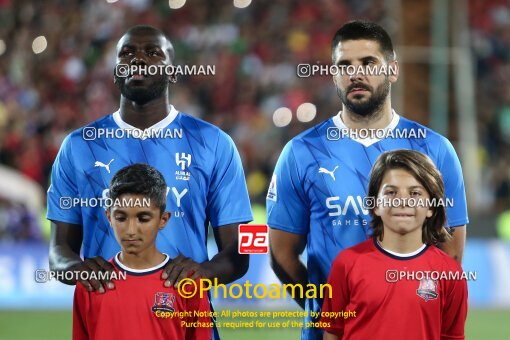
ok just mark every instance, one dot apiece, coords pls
pixel 321 179
pixel 200 164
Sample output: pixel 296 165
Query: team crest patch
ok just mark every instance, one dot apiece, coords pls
pixel 163 302
pixel 183 160
pixel 427 289
pixel 271 193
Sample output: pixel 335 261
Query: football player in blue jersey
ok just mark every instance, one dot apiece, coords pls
pixel 200 163
pixel 316 199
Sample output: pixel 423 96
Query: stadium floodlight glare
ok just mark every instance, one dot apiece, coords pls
pixel 111 1
pixel 282 116
pixel 39 44
pixel 306 112
pixel 176 4
pixel 242 3
pixel 2 47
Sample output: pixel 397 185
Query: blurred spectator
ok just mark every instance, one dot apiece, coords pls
pixel 17 223
pixel 490 22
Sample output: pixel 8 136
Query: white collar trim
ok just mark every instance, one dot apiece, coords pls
pixel 403 254
pixel 368 141
pixel 126 268
pixel 159 125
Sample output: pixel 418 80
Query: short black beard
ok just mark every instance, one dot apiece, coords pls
pixel 142 96
pixel 372 106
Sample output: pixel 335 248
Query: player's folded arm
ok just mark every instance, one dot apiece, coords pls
pixel 229 264
pixel 285 249
pixel 285 245
pixel 65 244
pixel 228 206
pixel 66 230
pixel 288 219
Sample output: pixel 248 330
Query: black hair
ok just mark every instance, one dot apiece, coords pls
pixel 360 29
pixel 140 179
pixel 148 28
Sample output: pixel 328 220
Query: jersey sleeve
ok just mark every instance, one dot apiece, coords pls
pixel 454 186
pixel 63 187
pixel 338 299
pixel 228 200
pixel 455 309
pixel 286 203
pixel 200 304
pixel 80 307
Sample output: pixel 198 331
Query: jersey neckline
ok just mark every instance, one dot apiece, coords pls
pixel 395 119
pixel 400 256
pixel 159 125
pixel 139 272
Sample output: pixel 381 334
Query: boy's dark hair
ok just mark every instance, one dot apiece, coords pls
pixel 140 179
pixel 421 167
pixel 358 30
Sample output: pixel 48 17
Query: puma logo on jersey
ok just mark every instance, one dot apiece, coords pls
pixel 326 171
pixel 102 165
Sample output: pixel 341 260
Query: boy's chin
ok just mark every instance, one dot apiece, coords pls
pixel 402 228
pixel 131 250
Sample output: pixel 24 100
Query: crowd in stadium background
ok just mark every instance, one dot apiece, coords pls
pixel 43 97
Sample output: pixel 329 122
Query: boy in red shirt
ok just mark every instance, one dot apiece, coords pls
pixel 399 285
pixel 139 306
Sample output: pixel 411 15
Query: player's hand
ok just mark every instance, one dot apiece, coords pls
pixel 95 264
pixel 182 267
